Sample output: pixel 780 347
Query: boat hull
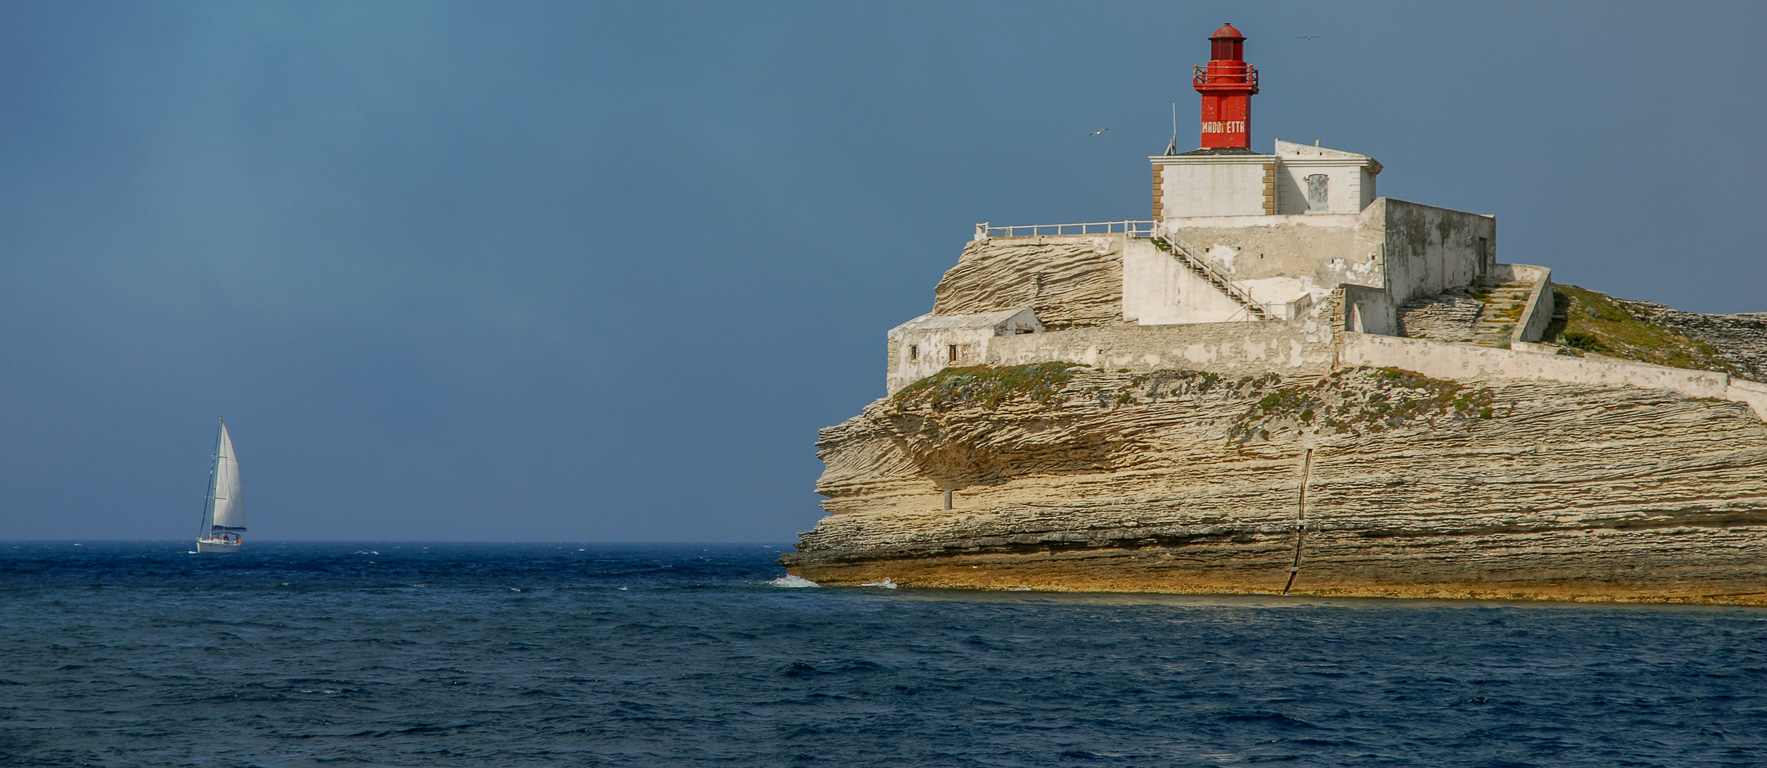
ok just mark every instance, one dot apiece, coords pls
pixel 216 545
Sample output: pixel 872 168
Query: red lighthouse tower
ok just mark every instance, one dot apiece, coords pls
pixel 1227 84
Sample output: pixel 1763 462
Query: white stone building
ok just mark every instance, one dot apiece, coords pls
pixel 1297 236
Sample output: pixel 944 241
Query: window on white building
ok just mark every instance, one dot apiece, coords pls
pixel 1318 193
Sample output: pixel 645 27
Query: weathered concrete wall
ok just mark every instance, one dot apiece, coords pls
pixel 917 356
pixel 1751 392
pixel 1158 289
pixel 1223 348
pixel 1428 250
pixel 1369 310
pixel 1444 360
pixel 1319 251
pixel 1539 362
pixel 1069 281
pixel 929 343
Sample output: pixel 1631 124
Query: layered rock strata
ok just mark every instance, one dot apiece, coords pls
pixel 1444 317
pixel 1363 482
pixel 1069 282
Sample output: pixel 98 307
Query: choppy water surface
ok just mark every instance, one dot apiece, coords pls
pixel 294 655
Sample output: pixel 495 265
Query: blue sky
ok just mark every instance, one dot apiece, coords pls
pixel 599 271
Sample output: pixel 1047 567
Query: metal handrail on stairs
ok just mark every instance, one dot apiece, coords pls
pixel 1163 241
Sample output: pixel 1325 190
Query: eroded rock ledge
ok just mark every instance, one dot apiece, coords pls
pixel 1075 478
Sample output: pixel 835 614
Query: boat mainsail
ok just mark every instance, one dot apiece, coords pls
pixel 224 509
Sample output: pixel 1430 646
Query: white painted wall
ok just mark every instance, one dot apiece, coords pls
pixel 1211 185
pixel 1349 176
pixel 1345 185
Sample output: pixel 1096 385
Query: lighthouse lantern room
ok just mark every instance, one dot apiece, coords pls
pixel 1226 83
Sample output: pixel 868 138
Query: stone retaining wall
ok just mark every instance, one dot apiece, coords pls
pixel 1537 313
pixel 1465 361
pixel 1225 348
pixel 1236 349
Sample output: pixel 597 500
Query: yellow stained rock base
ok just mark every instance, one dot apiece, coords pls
pixel 1188 482
pixel 996 573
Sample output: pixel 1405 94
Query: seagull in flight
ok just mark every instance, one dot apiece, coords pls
pixel 1099 131
pixel 1308 37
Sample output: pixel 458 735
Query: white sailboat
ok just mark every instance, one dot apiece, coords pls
pixel 223 514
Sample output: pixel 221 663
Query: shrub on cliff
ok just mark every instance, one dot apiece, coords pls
pixel 1594 322
pixel 1363 400
pixel 986 385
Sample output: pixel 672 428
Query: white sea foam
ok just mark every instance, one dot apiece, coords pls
pixel 792 582
pixel 885 584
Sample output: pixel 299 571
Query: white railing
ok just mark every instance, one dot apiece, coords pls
pixel 985 231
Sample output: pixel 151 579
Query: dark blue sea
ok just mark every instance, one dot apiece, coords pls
pixel 141 654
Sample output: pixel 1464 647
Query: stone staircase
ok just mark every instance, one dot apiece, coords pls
pixel 1213 276
pixel 1504 303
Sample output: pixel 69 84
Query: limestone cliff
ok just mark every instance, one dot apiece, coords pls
pixel 1069 283
pixel 1362 482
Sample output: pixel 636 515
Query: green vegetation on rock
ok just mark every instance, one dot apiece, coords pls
pixel 1354 402
pixel 987 386
pixel 1594 322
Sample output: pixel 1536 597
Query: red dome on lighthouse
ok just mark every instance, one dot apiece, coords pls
pixel 1227 32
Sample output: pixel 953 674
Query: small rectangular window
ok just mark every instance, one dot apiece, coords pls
pixel 1318 193
pixel 913 352
pixel 953 354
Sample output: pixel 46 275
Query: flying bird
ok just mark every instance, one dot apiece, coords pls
pixel 1308 37
pixel 1099 131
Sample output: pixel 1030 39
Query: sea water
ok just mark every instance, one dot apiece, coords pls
pixel 142 654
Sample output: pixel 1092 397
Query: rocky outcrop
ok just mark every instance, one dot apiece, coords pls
pixel 1444 317
pixel 1739 339
pixel 1365 482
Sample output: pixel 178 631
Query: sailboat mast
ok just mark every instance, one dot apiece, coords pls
pixel 208 501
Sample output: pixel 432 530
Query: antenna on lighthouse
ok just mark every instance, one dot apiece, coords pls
pixel 1172 148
